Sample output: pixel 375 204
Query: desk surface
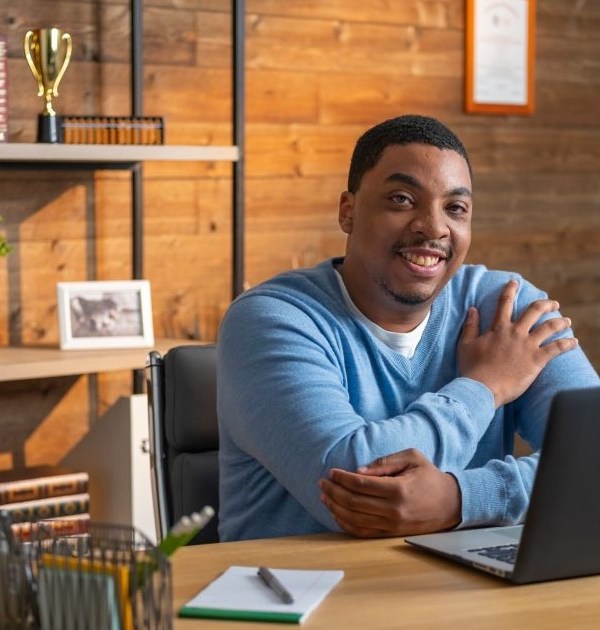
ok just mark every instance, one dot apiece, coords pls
pixel 388 585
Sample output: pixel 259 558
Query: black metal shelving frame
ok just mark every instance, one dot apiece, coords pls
pixel 238 135
pixel 135 167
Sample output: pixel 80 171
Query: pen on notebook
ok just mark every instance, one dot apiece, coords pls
pixel 275 585
pixel 185 529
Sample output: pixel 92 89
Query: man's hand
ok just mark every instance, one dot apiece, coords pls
pixel 398 495
pixel 509 356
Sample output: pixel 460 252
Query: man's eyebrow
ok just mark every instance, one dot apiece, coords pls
pixel 460 191
pixel 405 179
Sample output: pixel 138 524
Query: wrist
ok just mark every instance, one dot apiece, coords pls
pixel 492 388
pixel 454 502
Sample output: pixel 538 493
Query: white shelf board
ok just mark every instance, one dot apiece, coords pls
pixel 20 363
pixel 42 152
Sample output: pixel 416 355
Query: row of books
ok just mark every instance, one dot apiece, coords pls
pixel 60 498
pixel 112 129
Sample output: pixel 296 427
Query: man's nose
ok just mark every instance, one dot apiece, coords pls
pixel 431 222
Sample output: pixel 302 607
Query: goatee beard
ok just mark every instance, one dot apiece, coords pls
pixel 405 299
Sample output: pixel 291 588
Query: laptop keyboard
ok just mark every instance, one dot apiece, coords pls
pixel 504 553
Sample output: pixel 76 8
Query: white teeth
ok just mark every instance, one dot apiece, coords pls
pixel 423 261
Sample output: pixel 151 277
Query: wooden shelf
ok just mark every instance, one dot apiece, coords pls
pixel 113 153
pixel 22 363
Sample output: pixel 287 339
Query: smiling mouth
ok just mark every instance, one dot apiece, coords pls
pixel 422 261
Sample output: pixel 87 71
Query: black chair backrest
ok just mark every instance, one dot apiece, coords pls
pixel 184 437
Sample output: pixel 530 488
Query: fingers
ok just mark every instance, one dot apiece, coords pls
pixel 506 302
pixel 352 484
pixel 554 348
pixel 358 515
pixel 530 316
pixel 393 464
pixel 344 503
pixel 353 523
pixel 470 330
pixel 534 311
pixel 549 328
pixel 359 530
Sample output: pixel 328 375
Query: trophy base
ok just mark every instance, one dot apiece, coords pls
pixel 50 128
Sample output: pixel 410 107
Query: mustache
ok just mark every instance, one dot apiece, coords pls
pixel 443 249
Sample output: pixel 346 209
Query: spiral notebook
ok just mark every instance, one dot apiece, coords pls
pixel 239 593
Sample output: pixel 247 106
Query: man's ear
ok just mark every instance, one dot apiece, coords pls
pixel 346 212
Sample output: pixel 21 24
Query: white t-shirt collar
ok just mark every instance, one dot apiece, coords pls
pixel 403 343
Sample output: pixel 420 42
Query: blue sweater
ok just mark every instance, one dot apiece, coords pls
pixel 303 386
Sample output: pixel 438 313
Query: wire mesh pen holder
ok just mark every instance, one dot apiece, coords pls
pixel 109 578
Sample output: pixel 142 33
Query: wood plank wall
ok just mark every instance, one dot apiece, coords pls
pixel 318 73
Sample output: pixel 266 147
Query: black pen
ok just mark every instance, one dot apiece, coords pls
pixel 275 585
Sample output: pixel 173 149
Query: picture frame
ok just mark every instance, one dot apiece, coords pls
pixel 500 54
pixel 105 314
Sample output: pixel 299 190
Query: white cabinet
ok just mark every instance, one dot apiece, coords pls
pixel 114 453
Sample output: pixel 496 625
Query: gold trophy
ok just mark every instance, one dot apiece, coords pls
pixel 48 51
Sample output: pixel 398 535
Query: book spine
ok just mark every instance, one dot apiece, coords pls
pixel 3 90
pixel 49 508
pixel 71 526
pixel 43 488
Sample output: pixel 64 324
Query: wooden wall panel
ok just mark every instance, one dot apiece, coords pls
pixel 29 408
pixel 318 73
pixel 376 97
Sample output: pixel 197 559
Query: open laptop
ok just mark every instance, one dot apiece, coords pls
pixel 561 534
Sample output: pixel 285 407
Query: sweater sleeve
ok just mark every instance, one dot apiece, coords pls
pixel 499 491
pixel 282 400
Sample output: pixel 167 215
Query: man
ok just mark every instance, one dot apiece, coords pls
pixel 396 351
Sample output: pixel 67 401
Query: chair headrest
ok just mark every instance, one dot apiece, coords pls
pixel 191 398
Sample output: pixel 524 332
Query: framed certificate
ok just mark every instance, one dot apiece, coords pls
pixel 500 49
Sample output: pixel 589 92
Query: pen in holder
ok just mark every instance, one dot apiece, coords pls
pixel 185 529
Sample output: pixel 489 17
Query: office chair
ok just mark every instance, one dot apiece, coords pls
pixel 184 437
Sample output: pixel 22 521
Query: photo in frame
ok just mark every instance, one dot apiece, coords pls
pixel 499 54
pixel 105 314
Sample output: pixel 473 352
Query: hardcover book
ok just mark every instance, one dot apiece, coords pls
pixel 40 483
pixel 52 507
pixel 63 526
pixel 3 90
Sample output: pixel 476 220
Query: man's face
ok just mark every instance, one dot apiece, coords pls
pixel 409 230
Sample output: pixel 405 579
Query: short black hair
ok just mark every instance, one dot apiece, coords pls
pixel 407 129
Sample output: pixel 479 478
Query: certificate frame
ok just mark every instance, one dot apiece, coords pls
pixel 499 55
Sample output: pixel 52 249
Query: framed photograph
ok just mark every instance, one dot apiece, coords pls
pixel 500 51
pixel 105 314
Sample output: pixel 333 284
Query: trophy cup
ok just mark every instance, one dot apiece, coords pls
pixel 48 51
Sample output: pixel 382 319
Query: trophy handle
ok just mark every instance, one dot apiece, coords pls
pixel 36 74
pixel 67 38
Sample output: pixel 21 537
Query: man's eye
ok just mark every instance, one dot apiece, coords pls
pixel 457 208
pixel 400 198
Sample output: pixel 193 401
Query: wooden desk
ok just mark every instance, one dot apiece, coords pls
pixel 388 585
